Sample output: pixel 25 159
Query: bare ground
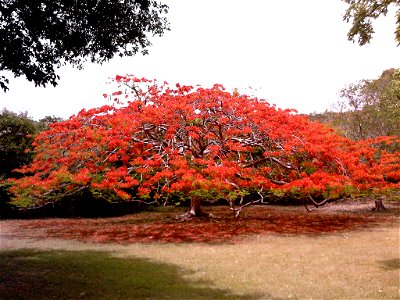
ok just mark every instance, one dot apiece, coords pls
pixel 162 225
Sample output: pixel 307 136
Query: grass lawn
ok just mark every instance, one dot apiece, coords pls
pixel 352 265
pixel 342 251
pixel 32 274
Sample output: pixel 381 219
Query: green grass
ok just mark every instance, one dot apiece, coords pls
pixel 31 274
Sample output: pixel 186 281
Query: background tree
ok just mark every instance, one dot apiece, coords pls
pixel 370 108
pixel 39 36
pixel 196 144
pixel 45 122
pixel 17 133
pixel 362 12
pixel 16 136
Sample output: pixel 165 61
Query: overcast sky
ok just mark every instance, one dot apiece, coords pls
pixel 293 53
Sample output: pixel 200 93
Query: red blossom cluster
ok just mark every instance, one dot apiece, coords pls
pixel 174 143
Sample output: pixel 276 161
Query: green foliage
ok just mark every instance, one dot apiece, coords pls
pixel 362 12
pixel 206 194
pixel 368 108
pixel 17 133
pixel 40 36
pixel 16 136
pixel 45 122
pixel 5 198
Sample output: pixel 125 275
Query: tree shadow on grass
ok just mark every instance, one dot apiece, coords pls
pixel 30 274
pixel 390 264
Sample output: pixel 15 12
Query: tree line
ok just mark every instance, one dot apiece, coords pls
pixel 367 108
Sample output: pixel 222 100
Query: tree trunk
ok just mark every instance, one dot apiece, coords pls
pixel 194 209
pixel 379 205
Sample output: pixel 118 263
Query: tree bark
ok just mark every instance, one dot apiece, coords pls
pixel 194 209
pixel 379 205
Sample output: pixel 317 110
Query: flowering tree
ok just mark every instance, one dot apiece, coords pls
pixel 185 143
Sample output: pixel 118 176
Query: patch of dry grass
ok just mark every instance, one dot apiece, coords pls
pixel 353 265
pixel 340 251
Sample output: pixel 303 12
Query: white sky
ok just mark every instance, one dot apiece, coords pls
pixel 293 53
